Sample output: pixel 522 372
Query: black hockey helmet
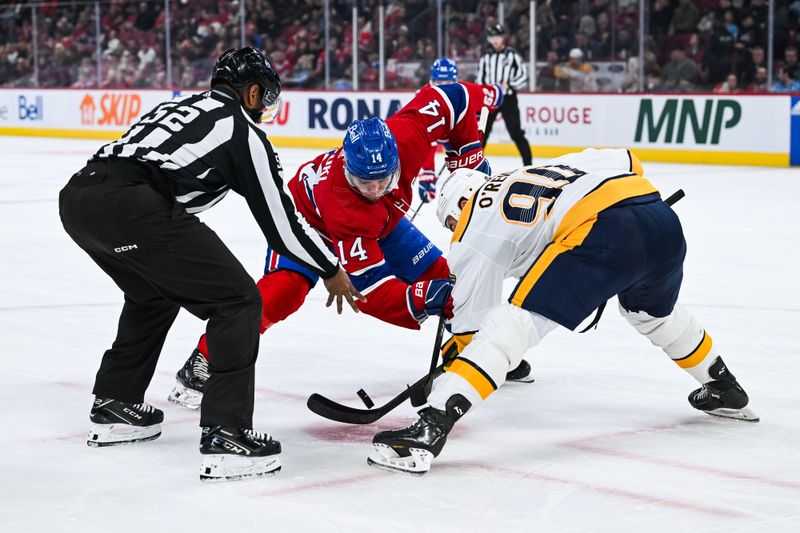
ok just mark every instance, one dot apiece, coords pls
pixel 244 66
pixel 494 31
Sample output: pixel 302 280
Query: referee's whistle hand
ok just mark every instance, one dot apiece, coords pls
pixel 340 287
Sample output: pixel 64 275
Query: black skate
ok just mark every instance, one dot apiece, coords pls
pixel 232 454
pixel 521 374
pixel 723 396
pixel 188 389
pixel 412 449
pixel 115 422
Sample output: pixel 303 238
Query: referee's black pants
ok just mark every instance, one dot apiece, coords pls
pixel 163 259
pixel 509 108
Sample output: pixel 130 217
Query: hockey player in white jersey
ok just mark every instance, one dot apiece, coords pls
pixel 576 232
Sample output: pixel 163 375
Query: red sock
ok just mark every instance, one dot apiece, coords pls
pixel 282 293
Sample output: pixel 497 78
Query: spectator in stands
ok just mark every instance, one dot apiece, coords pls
pixel 785 83
pixel 695 49
pixel 730 85
pixel 790 63
pixel 601 44
pixel 660 19
pixel 720 53
pixel 754 61
pixel 578 73
pixel 759 83
pixel 685 17
pixel 548 81
pixel 680 73
pixel 730 24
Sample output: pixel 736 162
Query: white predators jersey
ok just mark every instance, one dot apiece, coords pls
pixel 511 220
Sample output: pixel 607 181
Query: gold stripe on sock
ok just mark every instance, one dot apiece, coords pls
pixel 698 355
pixel 474 376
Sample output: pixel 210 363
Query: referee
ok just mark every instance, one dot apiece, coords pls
pixel 132 210
pixel 504 66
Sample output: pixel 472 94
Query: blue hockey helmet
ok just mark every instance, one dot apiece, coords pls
pixel 371 161
pixel 444 70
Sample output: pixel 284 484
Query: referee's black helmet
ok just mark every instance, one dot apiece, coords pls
pixel 494 31
pixel 244 66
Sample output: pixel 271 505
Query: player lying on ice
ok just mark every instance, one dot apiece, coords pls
pixel 356 197
pixel 576 232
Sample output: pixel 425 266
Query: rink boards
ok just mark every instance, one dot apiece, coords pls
pixel 759 130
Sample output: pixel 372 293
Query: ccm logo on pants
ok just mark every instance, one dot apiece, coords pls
pixel 126 248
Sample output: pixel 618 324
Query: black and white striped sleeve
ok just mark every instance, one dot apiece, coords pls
pixel 519 72
pixel 261 183
pixel 482 70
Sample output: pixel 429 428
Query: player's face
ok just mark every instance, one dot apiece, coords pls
pixel 450 222
pixel 372 190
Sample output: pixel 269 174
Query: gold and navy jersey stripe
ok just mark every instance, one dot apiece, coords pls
pixel 474 375
pixel 578 222
pixel 697 355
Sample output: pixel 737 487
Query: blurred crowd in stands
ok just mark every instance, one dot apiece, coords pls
pixel 691 45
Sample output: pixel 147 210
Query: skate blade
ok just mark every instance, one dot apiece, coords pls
pixel 385 458
pixel 745 414
pixel 185 397
pixel 526 379
pixel 101 435
pixel 225 467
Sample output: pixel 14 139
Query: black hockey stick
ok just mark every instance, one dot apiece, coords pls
pixel 327 408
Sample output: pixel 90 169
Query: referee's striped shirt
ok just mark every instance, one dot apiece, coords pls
pixel 505 66
pixel 205 145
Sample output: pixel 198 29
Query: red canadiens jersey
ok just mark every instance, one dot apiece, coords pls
pixel 351 223
pixel 480 96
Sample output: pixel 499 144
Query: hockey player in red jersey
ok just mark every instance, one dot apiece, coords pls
pixel 356 197
pixel 444 71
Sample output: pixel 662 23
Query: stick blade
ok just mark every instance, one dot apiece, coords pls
pixel 327 408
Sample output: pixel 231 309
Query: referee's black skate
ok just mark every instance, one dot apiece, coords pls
pixel 411 450
pixel 231 454
pixel 189 381
pixel 722 396
pixel 115 422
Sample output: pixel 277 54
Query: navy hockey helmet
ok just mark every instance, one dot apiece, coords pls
pixel 444 70
pixel 494 31
pixel 371 161
pixel 244 66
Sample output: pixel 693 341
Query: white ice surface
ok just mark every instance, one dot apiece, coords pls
pixel 603 441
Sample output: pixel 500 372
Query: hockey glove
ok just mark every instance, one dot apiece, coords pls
pixel 426 184
pixel 430 297
pixel 466 158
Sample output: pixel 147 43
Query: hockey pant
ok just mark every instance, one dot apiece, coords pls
pixel 163 259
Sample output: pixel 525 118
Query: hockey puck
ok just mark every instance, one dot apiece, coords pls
pixel 365 398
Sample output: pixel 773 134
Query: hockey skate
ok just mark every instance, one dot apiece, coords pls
pixel 723 396
pixel 411 450
pixel 188 389
pixel 115 422
pixel 234 454
pixel 521 374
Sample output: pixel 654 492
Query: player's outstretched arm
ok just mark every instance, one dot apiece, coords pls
pixel 340 287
